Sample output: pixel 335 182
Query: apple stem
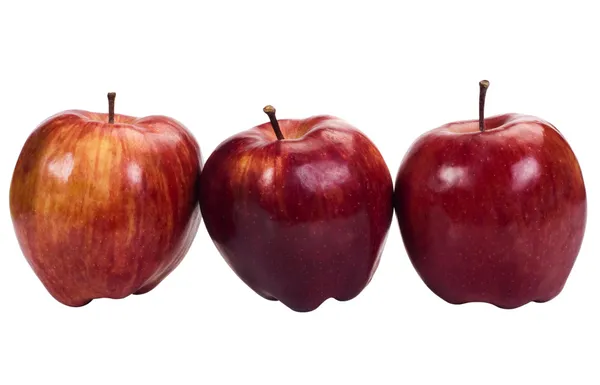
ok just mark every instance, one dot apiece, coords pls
pixel 111 107
pixel 483 86
pixel 270 111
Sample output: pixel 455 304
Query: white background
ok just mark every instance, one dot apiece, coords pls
pixel 393 69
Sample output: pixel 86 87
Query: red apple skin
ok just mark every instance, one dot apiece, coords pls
pixel 105 210
pixel 495 216
pixel 303 219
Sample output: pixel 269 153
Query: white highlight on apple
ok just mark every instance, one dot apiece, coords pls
pixel 323 176
pixel 524 171
pixel 452 176
pixel 134 173
pixel 61 168
pixel 266 179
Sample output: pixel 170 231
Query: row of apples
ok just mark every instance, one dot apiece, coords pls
pixel 490 210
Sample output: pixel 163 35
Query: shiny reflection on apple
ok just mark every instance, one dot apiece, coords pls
pixel 323 175
pixel 134 173
pixel 62 167
pixel 452 176
pixel 524 173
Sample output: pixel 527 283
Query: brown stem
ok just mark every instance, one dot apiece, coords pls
pixel 483 86
pixel 111 107
pixel 270 111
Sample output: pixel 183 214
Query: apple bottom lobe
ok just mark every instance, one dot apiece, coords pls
pixel 100 274
pixel 507 302
pixel 304 283
pixel 503 265
pixel 304 264
pixel 503 304
pixel 74 304
pixel 73 300
pixel 304 306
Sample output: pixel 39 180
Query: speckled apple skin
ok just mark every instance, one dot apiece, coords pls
pixel 302 219
pixel 105 210
pixel 497 216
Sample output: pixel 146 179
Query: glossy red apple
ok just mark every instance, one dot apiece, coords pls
pixel 492 210
pixel 105 205
pixel 299 209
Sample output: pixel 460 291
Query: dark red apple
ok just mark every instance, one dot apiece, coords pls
pixel 299 209
pixel 105 205
pixel 492 210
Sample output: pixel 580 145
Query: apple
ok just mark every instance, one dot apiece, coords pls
pixel 105 205
pixel 299 208
pixel 492 210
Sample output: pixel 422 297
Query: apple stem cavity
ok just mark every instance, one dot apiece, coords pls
pixel 270 111
pixel 111 107
pixel 483 86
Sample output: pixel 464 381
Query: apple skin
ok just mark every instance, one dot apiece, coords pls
pixel 302 219
pixel 496 216
pixel 105 210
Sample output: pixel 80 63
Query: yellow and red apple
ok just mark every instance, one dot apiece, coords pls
pixel 105 205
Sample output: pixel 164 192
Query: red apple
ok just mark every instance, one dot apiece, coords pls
pixel 492 210
pixel 105 205
pixel 299 209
